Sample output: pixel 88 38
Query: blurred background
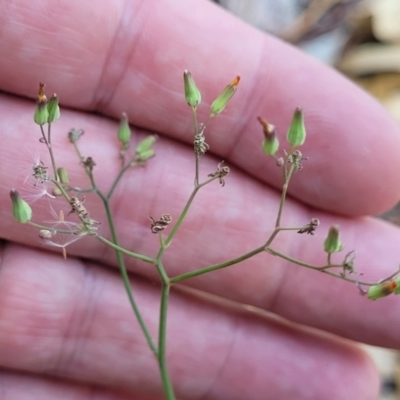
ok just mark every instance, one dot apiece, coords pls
pixel 360 38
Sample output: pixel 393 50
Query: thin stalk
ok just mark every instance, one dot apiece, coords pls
pixel 171 235
pixel 47 141
pixel 185 210
pixel 117 179
pixel 122 250
pixel 322 269
pixel 283 196
pixel 196 131
pixel 215 267
pixel 125 277
pixel 162 343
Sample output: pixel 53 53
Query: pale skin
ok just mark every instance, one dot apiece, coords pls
pixel 66 328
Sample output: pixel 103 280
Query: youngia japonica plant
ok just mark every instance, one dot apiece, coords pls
pixel 52 180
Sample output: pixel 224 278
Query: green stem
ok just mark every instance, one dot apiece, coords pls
pixel 196 131
pixel 171 235
pixel 125 277
pixel 215 267
pixel 284 191
pixel 322 269
pixel 127 252
pixel 47 141
pixel 117 179
pixel 162 343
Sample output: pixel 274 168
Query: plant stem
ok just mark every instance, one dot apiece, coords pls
pixel 117 179
pixel 47 141
pixel 196 131
pixel 215 267
pixel 122 250
pixel 322 269
pixel 284 191
pixel 125 277
pixel 162 343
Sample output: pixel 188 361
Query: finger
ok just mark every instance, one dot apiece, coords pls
pixel 131 59
pixel 17 386
pixel 73 321
pixel 210 236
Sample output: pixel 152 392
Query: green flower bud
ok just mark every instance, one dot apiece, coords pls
pixel 145 155
pixel 270 143
pixel 296 134
pixel 22 212
pixel 382 290
pixel 63 175
pixel 124 131
pixel 146 144
pixel 41 115
pixel 221 101
pixel 192 93
pixel 332 242
pixel 53 108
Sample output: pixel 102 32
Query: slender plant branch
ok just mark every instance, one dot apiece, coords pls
pixel 47 142
pixel 123 250
pixel 323 269
pixel 162 343
pixel 118 178
pixel 284 191
pixel 125 277
pixel 201 271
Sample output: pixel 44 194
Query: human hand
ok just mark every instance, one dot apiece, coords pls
pixel 66 328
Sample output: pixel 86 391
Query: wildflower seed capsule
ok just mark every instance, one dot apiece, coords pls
pixel 296 134
pixel 332 242
pixel 41 115
pixel 270 143
pixel 192 93
pixel 222 100
pixel 146 144
pixel 124 131
pixel 376 292
pixel 22 212
pixel 63 175
pixel 53 108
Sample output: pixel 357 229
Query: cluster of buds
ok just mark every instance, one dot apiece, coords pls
pixel 47 111
pixel 296 134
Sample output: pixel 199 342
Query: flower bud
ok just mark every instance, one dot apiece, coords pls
pixel 145 144
pixel 41 115
pixel 296 134
pixel 332 242
pixel 192 93
pixel 382 290
pixel 145 155
pixel 63 175
pixel 270 143
pixel 124 131
pixel 22 212
pixel 221 101
pixel 53 108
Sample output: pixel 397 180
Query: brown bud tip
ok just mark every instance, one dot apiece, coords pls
pixel 236 81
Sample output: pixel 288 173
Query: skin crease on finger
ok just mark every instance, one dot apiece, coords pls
pixel 131 57
pixel 69 319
